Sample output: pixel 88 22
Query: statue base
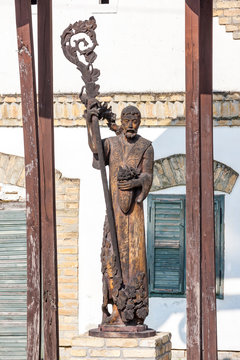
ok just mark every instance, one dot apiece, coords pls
pixel 121 331
pixel 87 347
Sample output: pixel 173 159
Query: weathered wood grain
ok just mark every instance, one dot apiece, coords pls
pixel 30 131
pixel 200 259
pixel 193 225
pixel 47 176
pixel 208 276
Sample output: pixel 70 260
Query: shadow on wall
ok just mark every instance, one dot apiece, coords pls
pixel 162 309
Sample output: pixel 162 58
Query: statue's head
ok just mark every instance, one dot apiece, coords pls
pixel 131 119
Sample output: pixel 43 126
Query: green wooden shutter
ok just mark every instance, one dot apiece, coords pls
pixel 13 285
pixel 219 243
pixel 166 244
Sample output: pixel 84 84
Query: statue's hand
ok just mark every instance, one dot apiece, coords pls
pixel 129 184
pixel 140 197
pixel 93 109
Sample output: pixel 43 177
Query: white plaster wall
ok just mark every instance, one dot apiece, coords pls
pixel 141 47
pixel 73 159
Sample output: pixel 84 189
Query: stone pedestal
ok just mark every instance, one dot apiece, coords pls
pixel 154 348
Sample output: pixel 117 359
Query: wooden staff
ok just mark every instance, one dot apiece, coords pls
pixel 91 89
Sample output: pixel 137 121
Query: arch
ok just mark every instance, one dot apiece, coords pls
pixel 171 171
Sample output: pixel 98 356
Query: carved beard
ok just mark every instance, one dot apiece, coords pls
pixel 130 134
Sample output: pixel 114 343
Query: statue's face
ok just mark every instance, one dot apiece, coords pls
pixel 130 125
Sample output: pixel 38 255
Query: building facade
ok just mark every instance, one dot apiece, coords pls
pixel 142 62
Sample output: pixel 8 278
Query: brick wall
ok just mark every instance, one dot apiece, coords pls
pixel 228 12
pixel 171 171
pixel 155 348
pixel 67 211
pixel 159 109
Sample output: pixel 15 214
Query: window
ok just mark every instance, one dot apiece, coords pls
pixel 166 244
pixel 105 7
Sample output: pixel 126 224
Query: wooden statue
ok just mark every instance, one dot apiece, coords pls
pixel 130 160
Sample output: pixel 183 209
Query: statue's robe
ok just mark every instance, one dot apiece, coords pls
pixel 132 296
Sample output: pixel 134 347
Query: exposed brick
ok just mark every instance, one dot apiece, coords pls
pixel 67 279
pixel 79 353
pixel 119 97
pixel 72 250
pixel 217 109
pixel 231 28
pixel 67 295
pixel 147 342
pixel 68 312
pixel 177 97
pixel 236 35
pixel 105 98
pixel 67 286
pixel 9 99
pixel 87 341
pixel 170 171
pixel 225 20
pixel 68 319
pixel 121 343
pixel 234 108
pixel 217 12
pixel 150 110
pixel 151 122
pixel 70 272
pixel 231 183
pixel 168 347
pixel 165 122
pixel 165 337
pixel 133 97
pixel 226 109
pixel 104 353
pixel 68 327
pixel 147 97
pixel 231 12
pixel 139 353
pixel 162 109
pixel 227 4
pixel 68 257
pixel 68 264
pixel 236 19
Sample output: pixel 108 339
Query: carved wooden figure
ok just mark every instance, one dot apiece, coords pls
pixel 130 160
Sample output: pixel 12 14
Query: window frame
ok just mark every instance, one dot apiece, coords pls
pixel 153 292
pixel 110 8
